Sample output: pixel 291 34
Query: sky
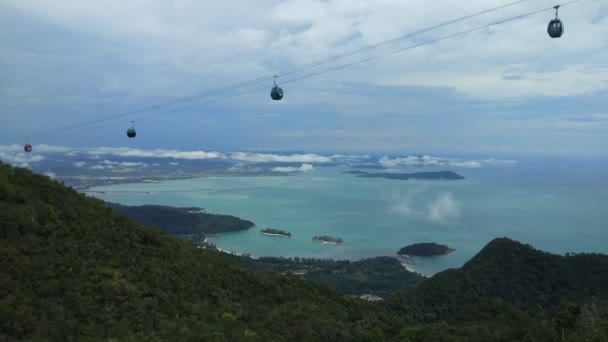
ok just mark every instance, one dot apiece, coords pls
pixel 504 90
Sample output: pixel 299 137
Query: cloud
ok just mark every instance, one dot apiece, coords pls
pixel 443 209
pixel 14 155
pixel 438 161
pixel 403 206
pixel 278 158
pixel 167 52
pixel 50 174
pixel 156 153
pixel 493 161
pixel 124 164
pixel 303 168
pixel 79 164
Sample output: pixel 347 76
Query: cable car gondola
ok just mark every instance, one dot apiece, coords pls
pixel 27 148
pixel 276 93
pixel 555 27
pixel 131 131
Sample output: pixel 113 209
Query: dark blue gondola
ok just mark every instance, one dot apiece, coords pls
pixel 555 27
pixel 276 93
pixel 27 148
pixel 131 133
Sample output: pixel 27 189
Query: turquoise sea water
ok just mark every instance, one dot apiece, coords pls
pixel 558 206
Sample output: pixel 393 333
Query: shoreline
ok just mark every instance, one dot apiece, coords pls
pixel 410 269
pixel 273 234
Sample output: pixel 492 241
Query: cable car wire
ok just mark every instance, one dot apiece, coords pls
pixel 326 70
pixel 270 77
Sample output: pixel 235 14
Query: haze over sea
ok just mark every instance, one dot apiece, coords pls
pixel 556 205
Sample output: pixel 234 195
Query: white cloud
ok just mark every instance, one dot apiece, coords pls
pixel 493 161
pixel 156 153
pixel 248 37
pixel 14 155
pixel 302 168
pixel 80 164
pixel 50 174
pixel 124 164
pixel 443 209
pixel 277 158
pixel 438 161
pixel 403 206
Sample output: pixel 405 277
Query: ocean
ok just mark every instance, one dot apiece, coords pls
pixel 555 205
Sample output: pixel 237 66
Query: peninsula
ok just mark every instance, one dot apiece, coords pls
pixel 446 175
pixel 328 240
pixel 425 249
pixel 275 232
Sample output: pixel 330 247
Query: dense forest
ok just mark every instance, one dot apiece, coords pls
pixel 71 268
pixel 380 276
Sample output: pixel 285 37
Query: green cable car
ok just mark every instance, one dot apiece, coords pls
pixel 131 131
pixel 555 28
pixel 276 93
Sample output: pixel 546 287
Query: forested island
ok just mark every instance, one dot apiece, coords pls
pixel 445 175
pixel 425 249
pixel 275 232
pixel 328 240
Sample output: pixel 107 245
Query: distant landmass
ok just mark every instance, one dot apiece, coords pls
pixel 448 175
pixel 425 249
pixel 275 232
pixel 355 172
pixel 329 240
pixel 182 221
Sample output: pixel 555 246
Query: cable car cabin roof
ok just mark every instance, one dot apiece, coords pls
pixel 555 28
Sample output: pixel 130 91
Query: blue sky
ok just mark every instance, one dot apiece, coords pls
pixel 506 90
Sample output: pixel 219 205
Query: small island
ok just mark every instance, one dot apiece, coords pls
pixel 275 232
pixel 328 240
pixel 446 175
pixel 425 249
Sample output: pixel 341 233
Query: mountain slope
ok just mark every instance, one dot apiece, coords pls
pixel 70 268
pixel 531 280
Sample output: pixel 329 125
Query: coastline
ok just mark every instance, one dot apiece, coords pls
pixel 410 269
pixel 273 234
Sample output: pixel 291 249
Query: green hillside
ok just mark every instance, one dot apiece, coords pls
pixel 530 279
pixel 72 268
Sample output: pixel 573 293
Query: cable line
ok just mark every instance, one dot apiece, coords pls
pixel 270 77
pixel 323 71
